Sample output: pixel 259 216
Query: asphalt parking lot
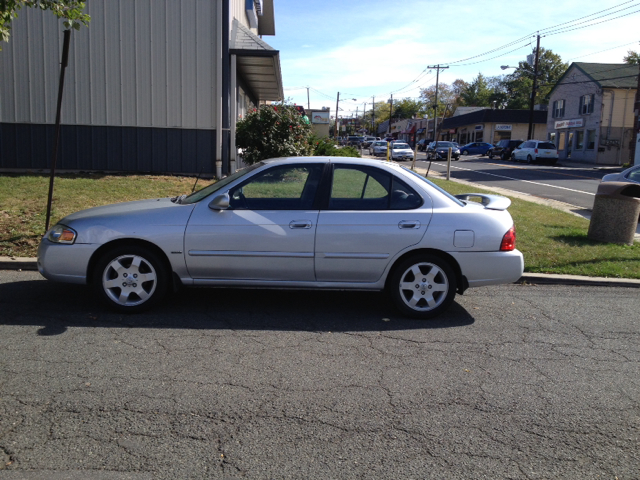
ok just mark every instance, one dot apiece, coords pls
pixel 516 381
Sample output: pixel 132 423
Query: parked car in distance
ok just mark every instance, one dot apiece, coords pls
pixel 442 151
pixel 378 148
pixel 503 149
pixel 422 144
pixel 629 175
pixel 316 222
pixel 401 151
pixel 355 140
pixel 367 141
pixel 475 148
pixel 535 151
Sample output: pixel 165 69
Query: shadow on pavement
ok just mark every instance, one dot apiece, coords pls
pixel 56 307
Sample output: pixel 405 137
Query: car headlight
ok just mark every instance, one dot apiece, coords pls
pixel 62 234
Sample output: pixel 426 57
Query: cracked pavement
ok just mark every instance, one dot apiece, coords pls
pixel 516 381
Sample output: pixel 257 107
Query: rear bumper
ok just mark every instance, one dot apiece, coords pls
pixel 490 268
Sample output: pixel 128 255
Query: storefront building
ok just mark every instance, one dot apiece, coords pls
pixel 489 125
pixel 591 113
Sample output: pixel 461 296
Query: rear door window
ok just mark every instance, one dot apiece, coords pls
pixel 547 146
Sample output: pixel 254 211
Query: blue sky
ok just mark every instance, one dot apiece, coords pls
pixel 374 48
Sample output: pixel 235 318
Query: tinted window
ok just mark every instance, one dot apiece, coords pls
pixel 634 175
pixel 367 188
pixel 547 145
pixel 286 187
pixel 403 197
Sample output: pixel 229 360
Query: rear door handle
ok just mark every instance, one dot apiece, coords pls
pixel 300 224
pixel 409 224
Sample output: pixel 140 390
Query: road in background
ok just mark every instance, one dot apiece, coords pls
pixel 575 185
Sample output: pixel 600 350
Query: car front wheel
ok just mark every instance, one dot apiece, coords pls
pixel 529 159
pixel 423 286
pixel 465 152
pixel 130 279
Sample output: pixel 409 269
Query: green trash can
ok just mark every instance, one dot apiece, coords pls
pixel 616 211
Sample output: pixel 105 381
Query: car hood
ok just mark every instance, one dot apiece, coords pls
pixel 127 219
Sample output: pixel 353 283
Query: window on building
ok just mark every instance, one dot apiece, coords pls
pixel 586 104
pixel 552 138
pixel 591 139
pixel 580 140
pixel 558 109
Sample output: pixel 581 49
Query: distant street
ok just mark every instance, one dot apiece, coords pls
pixel 516 381
pixel 573 185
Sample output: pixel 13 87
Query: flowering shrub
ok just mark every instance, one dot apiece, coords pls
pixel 273 131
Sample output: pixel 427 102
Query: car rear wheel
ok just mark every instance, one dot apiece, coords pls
pixel 490 155
pixel 130 279
pixel 422 286
pixel 529 159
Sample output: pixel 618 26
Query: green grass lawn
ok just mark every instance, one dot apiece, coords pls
pixel 551 240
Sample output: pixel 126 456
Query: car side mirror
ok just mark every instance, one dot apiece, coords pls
pixel 220 202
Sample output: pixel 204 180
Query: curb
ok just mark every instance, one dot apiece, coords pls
pixel 18 263
pixel 31 264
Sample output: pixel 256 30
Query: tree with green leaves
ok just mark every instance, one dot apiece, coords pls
pixel 71 11
pixel 449 97
pixel 477 93
pixel 631 58
pixel 273 131
pixel 518 85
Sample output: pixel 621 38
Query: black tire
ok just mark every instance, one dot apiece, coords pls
pixel 432 294
pixel 529 159
pixel 465 152
pixel 490 155
pixel 123 291
pixel 503 156
pixel 513 157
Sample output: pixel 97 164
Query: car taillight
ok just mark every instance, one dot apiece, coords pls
pixel 536 150
pixel 509 240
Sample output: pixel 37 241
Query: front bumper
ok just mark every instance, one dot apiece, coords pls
pixel 65 263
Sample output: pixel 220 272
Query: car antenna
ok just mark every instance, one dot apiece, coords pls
pixel 197 178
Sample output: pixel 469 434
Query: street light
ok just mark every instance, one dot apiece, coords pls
pixel 504 67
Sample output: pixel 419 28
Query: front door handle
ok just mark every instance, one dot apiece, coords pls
pixel 409 224
pixel 300 224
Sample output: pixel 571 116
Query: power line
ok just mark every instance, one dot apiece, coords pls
pixel 601 51
pixel 590 25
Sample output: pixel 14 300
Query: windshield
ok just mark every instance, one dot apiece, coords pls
pixel 208 190
pixel 444 192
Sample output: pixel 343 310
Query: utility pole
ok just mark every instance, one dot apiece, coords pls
pixel 373 115
pixel 335 133
pixel 435 107
pixel 364 113
pixel 357 117
pixel 390 115
pixel 635 148
pixel 308 103
pixel 533 90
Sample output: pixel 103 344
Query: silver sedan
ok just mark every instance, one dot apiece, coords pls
pixel 629 175
pixel 317 222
